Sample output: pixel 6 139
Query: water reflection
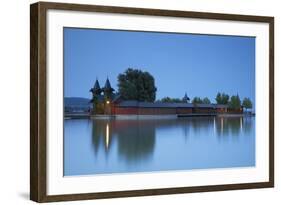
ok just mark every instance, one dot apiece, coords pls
pixel 149 145
pixel 136 138
pixel 101 135
pixel 232 126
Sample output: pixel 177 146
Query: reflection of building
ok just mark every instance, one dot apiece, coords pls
pixel 232 126
pixel 133 142
pixel 136 139
pixel 106 102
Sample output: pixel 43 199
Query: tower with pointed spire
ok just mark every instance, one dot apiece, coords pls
pixel 102 97
pixel 96 90
pixel 185 98
pixel 96 95
pixel 107 90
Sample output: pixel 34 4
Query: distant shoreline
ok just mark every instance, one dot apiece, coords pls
pixel 173 116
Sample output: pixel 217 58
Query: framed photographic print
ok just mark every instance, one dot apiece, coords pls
pixel 134 102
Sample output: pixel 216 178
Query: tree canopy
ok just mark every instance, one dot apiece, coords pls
pixel 222 98
pixel 206 101
pixel 235 102
pixel 171 100
pixel 197 100
pixel 247 103
pixel 135 84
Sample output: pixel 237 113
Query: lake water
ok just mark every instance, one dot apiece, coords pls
pixel 121 146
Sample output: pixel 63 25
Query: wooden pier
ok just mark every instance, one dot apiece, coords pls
pixel 198 115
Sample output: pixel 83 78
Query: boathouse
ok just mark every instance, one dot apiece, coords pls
pixel 106 102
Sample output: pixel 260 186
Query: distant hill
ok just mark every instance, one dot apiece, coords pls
pixel 76 103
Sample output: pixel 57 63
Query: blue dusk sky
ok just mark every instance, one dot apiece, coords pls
pixel 200 65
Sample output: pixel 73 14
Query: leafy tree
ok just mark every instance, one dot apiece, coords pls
pixel 135 84
pixel 225 98
pixel 197 100
pixel 222 98
pixel 247 103
pixel 235 102
pixel 206 101
pixel 218 98
pixel 171 100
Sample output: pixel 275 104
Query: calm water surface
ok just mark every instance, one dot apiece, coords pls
pixel 120 146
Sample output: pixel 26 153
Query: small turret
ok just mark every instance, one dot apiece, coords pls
pixel 96 90
pixel 108 91
pixel 107 87
pixel 185 98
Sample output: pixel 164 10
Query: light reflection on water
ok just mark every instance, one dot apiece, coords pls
pixel 118 146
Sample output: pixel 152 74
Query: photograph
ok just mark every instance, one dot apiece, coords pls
pixel 146 101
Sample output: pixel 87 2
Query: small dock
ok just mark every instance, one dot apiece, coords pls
pixel 77 115
pixel 197 115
